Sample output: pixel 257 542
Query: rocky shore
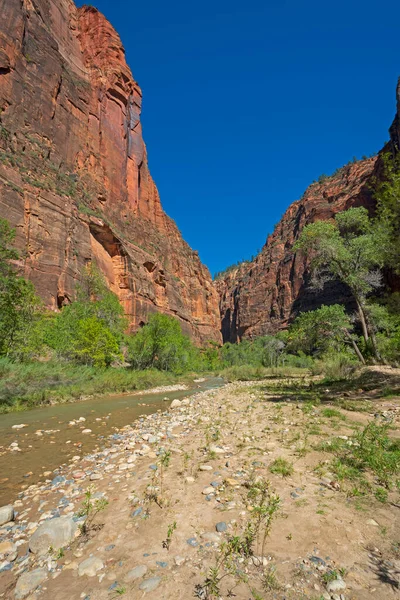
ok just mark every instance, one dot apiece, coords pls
pixel 152 511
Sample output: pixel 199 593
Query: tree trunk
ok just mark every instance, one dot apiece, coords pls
pixel 355 347
pixel 363 321
pixel 367 333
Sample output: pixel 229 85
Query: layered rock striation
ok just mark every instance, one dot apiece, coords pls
pixel 261 296
pixel 74 176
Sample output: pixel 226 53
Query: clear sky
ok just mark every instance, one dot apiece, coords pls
pixel 246 102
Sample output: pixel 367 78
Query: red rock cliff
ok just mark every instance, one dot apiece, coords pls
pixel 74 178
pixel 259 297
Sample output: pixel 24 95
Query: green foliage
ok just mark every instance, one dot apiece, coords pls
pixel 369 450
pixel 28 384
pixel 90 330
pixel 387 195
pixel 281 466
pixel 90 508
pixel 320 331
pixel 265 351
pixel 352 250
pixel 20 308
pixel 160 344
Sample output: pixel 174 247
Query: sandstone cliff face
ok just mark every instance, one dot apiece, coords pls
pixel 74 177
pixel 259 297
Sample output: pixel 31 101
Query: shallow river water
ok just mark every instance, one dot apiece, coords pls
pixel 58 440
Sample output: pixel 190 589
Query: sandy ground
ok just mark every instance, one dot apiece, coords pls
pixel 220 443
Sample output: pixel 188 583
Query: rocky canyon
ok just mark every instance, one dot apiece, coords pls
pixel 74 176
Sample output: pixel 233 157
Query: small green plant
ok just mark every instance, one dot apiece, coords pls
pixel 330 576
pixel 381 494
pixel 332 413
pixel 170 531
pixel 269 580
pixel 281 466
pixel 90 509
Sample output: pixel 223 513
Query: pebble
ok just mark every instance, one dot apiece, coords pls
pixel 6 514
pixel 217 450
pixel 221 526
pixel 90 566
pixel 179 560
pixel 175 403
pixel 205 468
pixel 336 585
pixel 208 490
pixel 135 573
pixel 148 585
pixel 372 522
pixel 8 550
pixel 19 426
pixel 86 431
pixel 192 542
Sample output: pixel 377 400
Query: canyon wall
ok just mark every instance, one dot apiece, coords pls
pixel 261 296
pixel 74 177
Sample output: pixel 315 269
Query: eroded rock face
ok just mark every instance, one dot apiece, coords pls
pixel 260 297
pixel 74 177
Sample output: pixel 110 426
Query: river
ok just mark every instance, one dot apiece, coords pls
pixel 49 440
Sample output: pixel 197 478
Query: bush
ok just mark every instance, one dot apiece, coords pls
pixel 90 330
pixel 160 344
pixel 336 367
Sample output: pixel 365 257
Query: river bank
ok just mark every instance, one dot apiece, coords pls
pixel 27 385
pixel 39 440
pixel 180 483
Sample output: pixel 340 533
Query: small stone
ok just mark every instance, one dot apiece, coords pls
pixel 95 477
pixel 8 550
pixel 189 479
pixel 148 585
pixel 221 527
pixel 19 426
pixel 86 431
pixel 217 449
pixel 175 403
pixel 28 582
pixel 90 566
pixel 208 490
pixel 179 560
pixel 205 468
pixel 162 564
pixel 336 585
pixel 372 522
pixel 192 542
pixel 135 573
pixel 230 481
pixel 6 514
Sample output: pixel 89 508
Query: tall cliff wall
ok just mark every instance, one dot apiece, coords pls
pixel 260 297
pixel 74 177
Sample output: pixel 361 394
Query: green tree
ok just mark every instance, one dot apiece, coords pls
pixel 160 344
pixel 20 308
pixel 351 250
pixel 387 195
pixel 323 331
pixel 91 329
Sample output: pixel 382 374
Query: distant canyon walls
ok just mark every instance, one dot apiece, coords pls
pixel 261 296
pixel 74 176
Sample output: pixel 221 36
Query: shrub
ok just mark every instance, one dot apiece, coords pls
pixel 160 344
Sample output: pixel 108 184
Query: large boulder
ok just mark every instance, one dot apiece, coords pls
pixel 56 533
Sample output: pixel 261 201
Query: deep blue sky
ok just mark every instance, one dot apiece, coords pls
pixel 246 102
